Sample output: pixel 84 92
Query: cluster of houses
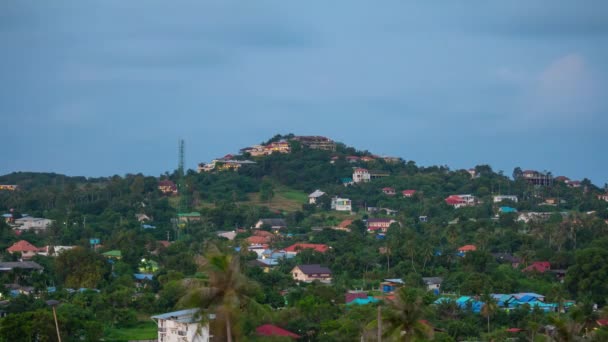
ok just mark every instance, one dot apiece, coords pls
pixel 28 250
pixel 223 164
pixel 366 159
pixel 8 187
pixel 507 302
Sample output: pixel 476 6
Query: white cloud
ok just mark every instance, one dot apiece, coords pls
pixel 564 90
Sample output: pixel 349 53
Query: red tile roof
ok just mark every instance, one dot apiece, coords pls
pixel 467 248
pixel 255 240
pixel 538 266
pixel 359 169
pixel 602 322
pixel 408 192
pixel 273 330
pixel 300 246
pixel 454 199
pixel 262 233
pixel 345 223
pixel 349 297
pixel 164 243
pixel 22 246
pixel 514 330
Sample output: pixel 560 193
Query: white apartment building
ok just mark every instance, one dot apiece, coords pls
pixel 181 326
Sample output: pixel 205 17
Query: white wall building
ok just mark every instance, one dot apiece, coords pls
pixel 312 198
pixel 361 175
pixel 181 326
pixel 35 223
pixel 500 198
pixel 341 204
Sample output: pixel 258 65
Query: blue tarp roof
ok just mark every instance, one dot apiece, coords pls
pixel 143 276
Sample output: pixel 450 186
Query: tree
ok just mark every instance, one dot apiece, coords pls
pixel 588 276
pixel 403 318
pixel 80 267
pixel 226 294
pixel 266 190
pixel 489 308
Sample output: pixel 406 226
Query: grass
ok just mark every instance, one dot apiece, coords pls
pixel 284 199
pixel 142 331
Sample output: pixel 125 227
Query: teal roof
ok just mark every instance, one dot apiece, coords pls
pixel 507 210
pixel 363 301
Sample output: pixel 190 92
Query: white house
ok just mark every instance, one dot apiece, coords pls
pixel 341 204
pixel 312 198
pixel 432 283
pixel 361 175
pixel 35 223
pixel 181 326
pixel 500 198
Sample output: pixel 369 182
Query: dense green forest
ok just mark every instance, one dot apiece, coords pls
pixel 99 295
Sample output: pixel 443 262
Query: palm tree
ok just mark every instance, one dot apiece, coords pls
pixel 489 308
pixel 403 317
pixel 226 293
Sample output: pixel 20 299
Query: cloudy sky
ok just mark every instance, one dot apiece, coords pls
pixel 98 88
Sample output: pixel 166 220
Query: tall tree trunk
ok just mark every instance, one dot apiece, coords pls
pixel 228 329
pixel 379 323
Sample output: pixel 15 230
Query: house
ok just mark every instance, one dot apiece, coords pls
pixel 230 235
pixel 423 219
pixel 391 284
pixel 309 273
pixel 223 164
pixel 391 160
pixel 507 210
pixel 472 172
pixel 433 283
pixel 341 204
pixel 189 217
pixel 361 175
pixel 316 142
pixel 312 198
pixel 33 223
pixel 22 265
pixel 408 193
pixel 279 146
pixel 467 248
pixel 26 249
pixel 537 178
pixel 352 295
pixel 388 191
pixel 344 225
pixel 181 326
pixel 142 279
pixel 500 198
pixel 265 264
pixel 551 201
pixel 603 197
pixel 458 201
pixel 273 330
pixel 347 181
pixel 142 217
pixel 297 247
pixel 53 250
pixel 352 159
pixel 574 184
pixel 507 258
pixel 367 159
pixel 273 223
pixel 113 254
pixel 382 224
pixel 9 187
pixel 167 187
pixel 538 266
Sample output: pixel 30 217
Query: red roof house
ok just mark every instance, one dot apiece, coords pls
pixel 388 191
pixel 538 266
pixel 167 187
pixel 273 330
pixel 297 247
pixel 350 296
pixel 26 249
pixel 345 224
pixel 467 248
pixel 408 193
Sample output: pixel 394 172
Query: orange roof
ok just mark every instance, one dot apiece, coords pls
pixel 164 243
pixel 299 246
pixel 345 223
pixel 467 248
pixel 262 233
pixel 22 246
pixel 257 240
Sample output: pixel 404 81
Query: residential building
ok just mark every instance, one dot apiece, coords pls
pixel 344 225
pixel 26 249
pixel 574 184
pixel 388 191
pixel 458 201
pixel 408 193
pixel 142 217
pixel 310 273
pixel 391 284
pixel 9 187
pixel 367 159
pixel 316 142
pixel 374 174
pixel 361 175
pixel 352 159
pixel 273 223
pixel 297 247
pixel 467 248
pixel 392 160
pixel 279 146
pixel 33 223
pixel 189 217
pixel 341 204
pixel 312 198
pixel 274 331
pixel 603 197
pixel 22 265
pixel 223 164
pixel 183 325
pixel 538 266
pixel 537 178
pixel 507 258
pixel 500 198
pixel 472 172
pixel 382 224
pixel 433 283
pixel 167 187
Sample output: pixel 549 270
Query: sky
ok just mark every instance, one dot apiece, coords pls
pixel 98 88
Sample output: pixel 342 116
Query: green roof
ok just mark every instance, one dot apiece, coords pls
pixel 194 213
pixel 113 254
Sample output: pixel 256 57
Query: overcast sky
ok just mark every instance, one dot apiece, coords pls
pixel 107 87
